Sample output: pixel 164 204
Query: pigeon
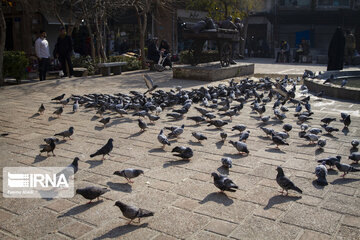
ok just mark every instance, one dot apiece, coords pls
pixel 142 124
pixel 230 113
pixel 41 109
pixel 142 113
pixel 158 110
pixel 178 149
pixel 226 162
pixel 74 165
pixel 223 136
pixel 76 106
pixel 176 132
pixel 239 127
pixel 311 137
pixel 224 183
pixel 315 131
pixel 330 129
pixel 58 98
pixel 267 131
pixel 217 123
pixel 49 148
pixel 101 110
pixel 48 140
pixel 304 127
pixel 302 118
pixel 321 143
pixel 355 156
pixel 129 173
pixel 345 168
pixel 283 135
pixel 105 150
pixel 240 146
pixel 347 121
pixel 105 121
pixel 287 127
pixel 91 192
pixel 343 115
pixel 355 143
pixel 199 136
pixel 278 140
pixel 65 102
pixel 149 84
pixel 197 119
pixel 58 111
pixel 210 116
pixel 327 121
pixel 121 111
pixel 330 161
pixel 265 119
pixel 175 115
pixel 344 82
pixel 319 94
pixel 163 139
pixel 321 173
pixel 68 133
pixel 132 212
pixel 285 183
pixel 244 136
pixel 186 154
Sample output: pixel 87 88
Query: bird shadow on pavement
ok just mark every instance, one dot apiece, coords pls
pixel 136 134
pixel 71 113
pixel 345 130
pixel 192 143
pixel 354 164
pixel 213 129
pixel 117 232
pixel 122 187
pixel 219 144
pixel 35 115
pixel 51 118
pixel 175 163
pixel 330 135
pixel 316 185
pixel 94 163
pixel 94 118
pixel 319 151
pixel 223 170
pixel 97 128
pixel 332 172
pixel 280 199
pixel 342 181
pixel 275 150
pixel 156 150
pixel 307 145
pixel 218 197
pixel 81 208
pixel 264 138
pixel 39 158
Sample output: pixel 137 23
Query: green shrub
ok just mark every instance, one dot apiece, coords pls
pixel 205 56
pixel 85 62
pixel 132 62
pixel 15 63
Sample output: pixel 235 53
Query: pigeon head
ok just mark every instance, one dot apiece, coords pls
pixel 79 191
pixel 338 158
pixel 110 140
pixel 75 162
pixel 215 175
pixel 182 126
pixel 117 173
pixel 232 142
pixel 71 129
pixel 280 170
pixel 138 171
pixel 323 163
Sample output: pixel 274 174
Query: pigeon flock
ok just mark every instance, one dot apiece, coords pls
pixel 271 100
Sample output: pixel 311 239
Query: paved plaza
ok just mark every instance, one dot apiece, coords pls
pixel 181 193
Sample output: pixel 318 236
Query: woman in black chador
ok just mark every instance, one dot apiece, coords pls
pixel 336 50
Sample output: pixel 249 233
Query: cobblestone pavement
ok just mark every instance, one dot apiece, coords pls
pixel 182 195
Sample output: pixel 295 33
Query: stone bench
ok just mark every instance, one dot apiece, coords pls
pixel 112 67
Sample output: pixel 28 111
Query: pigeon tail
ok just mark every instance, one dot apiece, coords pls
pixel 145 213
pixel 295 188
pixel 355 170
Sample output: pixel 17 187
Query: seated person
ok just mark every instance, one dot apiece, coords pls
pixel 304 50
pixel 165 51
pixel 153 51
pixel 284 50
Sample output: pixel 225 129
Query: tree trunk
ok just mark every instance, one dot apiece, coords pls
pixel 2 44
pixel 142 30
pixel 244 36
pixel 92 46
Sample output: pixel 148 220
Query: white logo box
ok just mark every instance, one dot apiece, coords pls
pixel 38 182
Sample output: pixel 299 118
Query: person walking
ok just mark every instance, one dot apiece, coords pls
pixel 43 54
pixel 63 50
pixel 350 46
pixel 336 51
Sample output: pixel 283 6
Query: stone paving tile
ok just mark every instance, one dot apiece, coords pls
pixel 205 235
pixel 261 228
pixel 312 218
pixel 220 227
pixel 348 233
pixel 75 229
pixel 314 235
pixel 59 205
pixel 343 204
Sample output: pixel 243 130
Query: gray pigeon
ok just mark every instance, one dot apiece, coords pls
pixel 240 146
pixel 91 192
pixel 285 183
pixel 132 212
pixel 267 131
pixel 345 168
pixel 287 127
pixel 129 173
pixel 315 131
pixel 217 123
pixel 58 111
pixel 239 127
pixel 76 106
pixel 244 136
pixel 265 119
pixel 152 118
pixel 185 154
pixel 176 132
pixel 41 109
pixel 224 183
pixel 105 121
pixel 355 156
pixel 226 162
pixel 330 129
pixel 321 173
pixel 49 148
pixel 68 133
pixel 328 120
pixel 330 160
pixel 142 124
pixel 355 143
pixel 311 137
pixel 105 150
pixel 58 98
pixel 278 140
pixel 163 139
pixel 199 136
pixel 197 119
pixel 321 143
pixel 48 140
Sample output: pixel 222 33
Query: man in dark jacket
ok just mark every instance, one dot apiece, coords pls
pixel 63 50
